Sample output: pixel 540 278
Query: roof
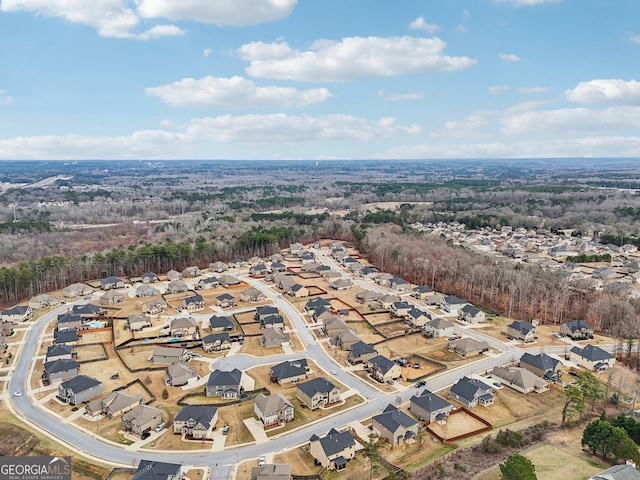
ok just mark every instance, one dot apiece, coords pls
pixel 268 404
pixel 430 401
pixel 422 289
pixel 64 336
pixel 197 298
pixel 468 388
pixel 275 333
pixel 382 362
pixel 522 327
pixel 335 442
pixel 111 279
pixel 57 350
pixel 439 323
pixel 468 344
pixel 215 337
pixel 521 377
pixel 168 351
pixel 17 310
pixel 221 378
pixel 266 310
pixel 141 414
pixel 220 322
pixel 453 300
pixel 290 368
pixel 541 361
pixel 202 414
pixel 592 353
pixel 225 296
pixel 317 302
pixel 183 322
pixel 273 320
pixel 576 325
pixel 316 385
pixel 80 383
pixel 618 472
pixel 392 419
pixel 68 318
pixel 149 470
pixel 60 365
pixel 360 348
pixel 471 310
pixel 180 368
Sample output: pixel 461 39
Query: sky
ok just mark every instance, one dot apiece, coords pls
pixel 319 79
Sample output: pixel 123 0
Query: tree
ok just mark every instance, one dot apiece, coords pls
pixel 574 404
pixel 165 394
pixel 518 467
pixel 371 449
pixel 609 441
pixel 590 387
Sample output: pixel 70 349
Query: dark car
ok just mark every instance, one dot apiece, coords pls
pixel 115 376
pixel 573 373
pixel 145 435
pixel 421 383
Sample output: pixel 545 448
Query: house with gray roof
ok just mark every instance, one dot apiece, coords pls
pixel 152 470
pixel 334 450
pixel 468 346
pixel 398 284
pixel 177 286
pixel 471 392
pixel 289 371
pixel 19 313
pixel 228 280
pixel 76 290
pixel 520 379
pixel 592 358
pixel 155 306
pixel 452 304
pixel 577 330
pixel 218 323
pixel 437 328
pixel 273 409
pixel 67 321
pixel 618 472
pixel 382 369
pixel 218 267
pixel 169 355
pixel 429 407
pixel 361 352
pixel 542 365
pixel 111 298
pixel 138 322
pixel 318 392
pixel 59 352
pixel 141 419
pixel 471 315
pixel 67 337
pixel 252 295
pixel 87 310
pixel 145 291
pixel 521 330
pixel 180 374
pixel 185 328
pixel 43 301
pixel 111 282
pixel 216 342
pixel 224 384
pixel 368 296
pixel 344 339
pixel 195 421
pixel 333 325
pixel 394 425
pixel 114 404
pixel 340 284
pixel 60 370
pixel 79 389
pixel 274 337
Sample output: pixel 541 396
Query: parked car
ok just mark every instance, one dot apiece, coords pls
pixel 573 373
pixel 115 376
pixel 497 384
pixel 262 461
pixel 416 365
pixel 225 429
pixel 160 427
pixel 420 383
pixel 145 435
pixel 17 394
pixel 390 382
pixel 334 372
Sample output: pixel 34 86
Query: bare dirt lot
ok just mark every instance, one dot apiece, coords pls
pixel 457 424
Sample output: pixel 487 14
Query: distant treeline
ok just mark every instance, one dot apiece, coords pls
pixel 25 227
pixel 298 218
pixel 584 258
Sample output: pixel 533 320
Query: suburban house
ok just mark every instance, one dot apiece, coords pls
pixel 141 419
pixel 334 450
pixel 79 389
pixel 193 303
pixel 471 315
pixel 273 409
pixel 6 329
pixel 421 292
pixel 65 337
pixel 592 357
pixel 316 303
pixel 228 280
pixel 437 328
pixel 577 330
pixel 290 371
pixel 177 286
pixel 368 296
pixel 216 342
pixel 368 273
pixel 114 404
pixel 521 330
pixel 169 355
pixel 258 270
pixel 111 298
pixel 76 290
pixel 224 384
pixel 67 321
pixel 155 306
pixel 218 267
pixel 59 352
pixel 138 321
pixel 542 365
pixel 471 392
pixel 218 323
pixel 173 275
pixel 383 277
pixel 184 328
pixel 400 309
pixel 275 321
pixel 284 282
pixel 452 304
pixel 272 471
pixel 226 300
pixel 195 421
pixel 317 392
pixel 395 426
pixel 60 370
pixel 150 470
pixel 87 310
pixel 111 282
pixel 278 267
pixel 149 277
pixel 296 248
pixel 252 295
pixel 192 272
pixel 341 284
pixel 520 379
pixel 265 311
pixel 361 353
pixel 429 407
pixel 331 276
pixel 398 284
pixel 383 369
pixel 417 317
pixel 625 471
pixel 344 339
pixel 207 283
pixel 298 291
pixel 145 291
pixel 274 337
pixel 19 313
pixel 180 374
pixel 44 301
pixel 334 325
pixel 386 300
pixel 468 346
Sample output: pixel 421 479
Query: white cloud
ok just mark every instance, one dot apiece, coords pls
pixel 234 92
pixel 397 96
pixel 527 3
pixel 112 18
pixel 533 89
pixel 218 12
pixel 467 127
pixel 351 58
pixel 420 24
pixel 606 91
pixel 5 99
pixel 509 57
pixel 634 39
pixel 498 89
pixel 207 52
pixel 461 28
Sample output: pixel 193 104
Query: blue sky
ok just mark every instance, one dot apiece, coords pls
pixel 319 79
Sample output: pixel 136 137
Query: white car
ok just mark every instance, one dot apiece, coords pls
pixel 17 394
pixel 334 372
pixel 261 461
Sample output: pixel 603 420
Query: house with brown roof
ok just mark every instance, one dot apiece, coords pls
pixel 177 286
pixel 145 291
pixel 180 374
pixel 138 322
pixel 468 346
pixel 185 328
pixel 273 409
pixel 252 295
pixel 114 404
pixel 76 290
pixel 155 306
pixel 344 339
pixel 520 379
pixel 169 355
pixel 274 337
pixel 111 298
pixel 141 419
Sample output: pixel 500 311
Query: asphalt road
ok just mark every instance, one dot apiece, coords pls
pixel 221 462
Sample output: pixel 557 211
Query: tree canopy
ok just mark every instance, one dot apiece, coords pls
pixel 518 467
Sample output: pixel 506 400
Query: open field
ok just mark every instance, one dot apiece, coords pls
pixel 365 332
pixel 378 318
pixel 555 463
pixel 251 346
pixel 435 348
pixel 233 415
pixel 105 428
pixel 457 424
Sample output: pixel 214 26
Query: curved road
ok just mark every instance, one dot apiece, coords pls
pixel 221 462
